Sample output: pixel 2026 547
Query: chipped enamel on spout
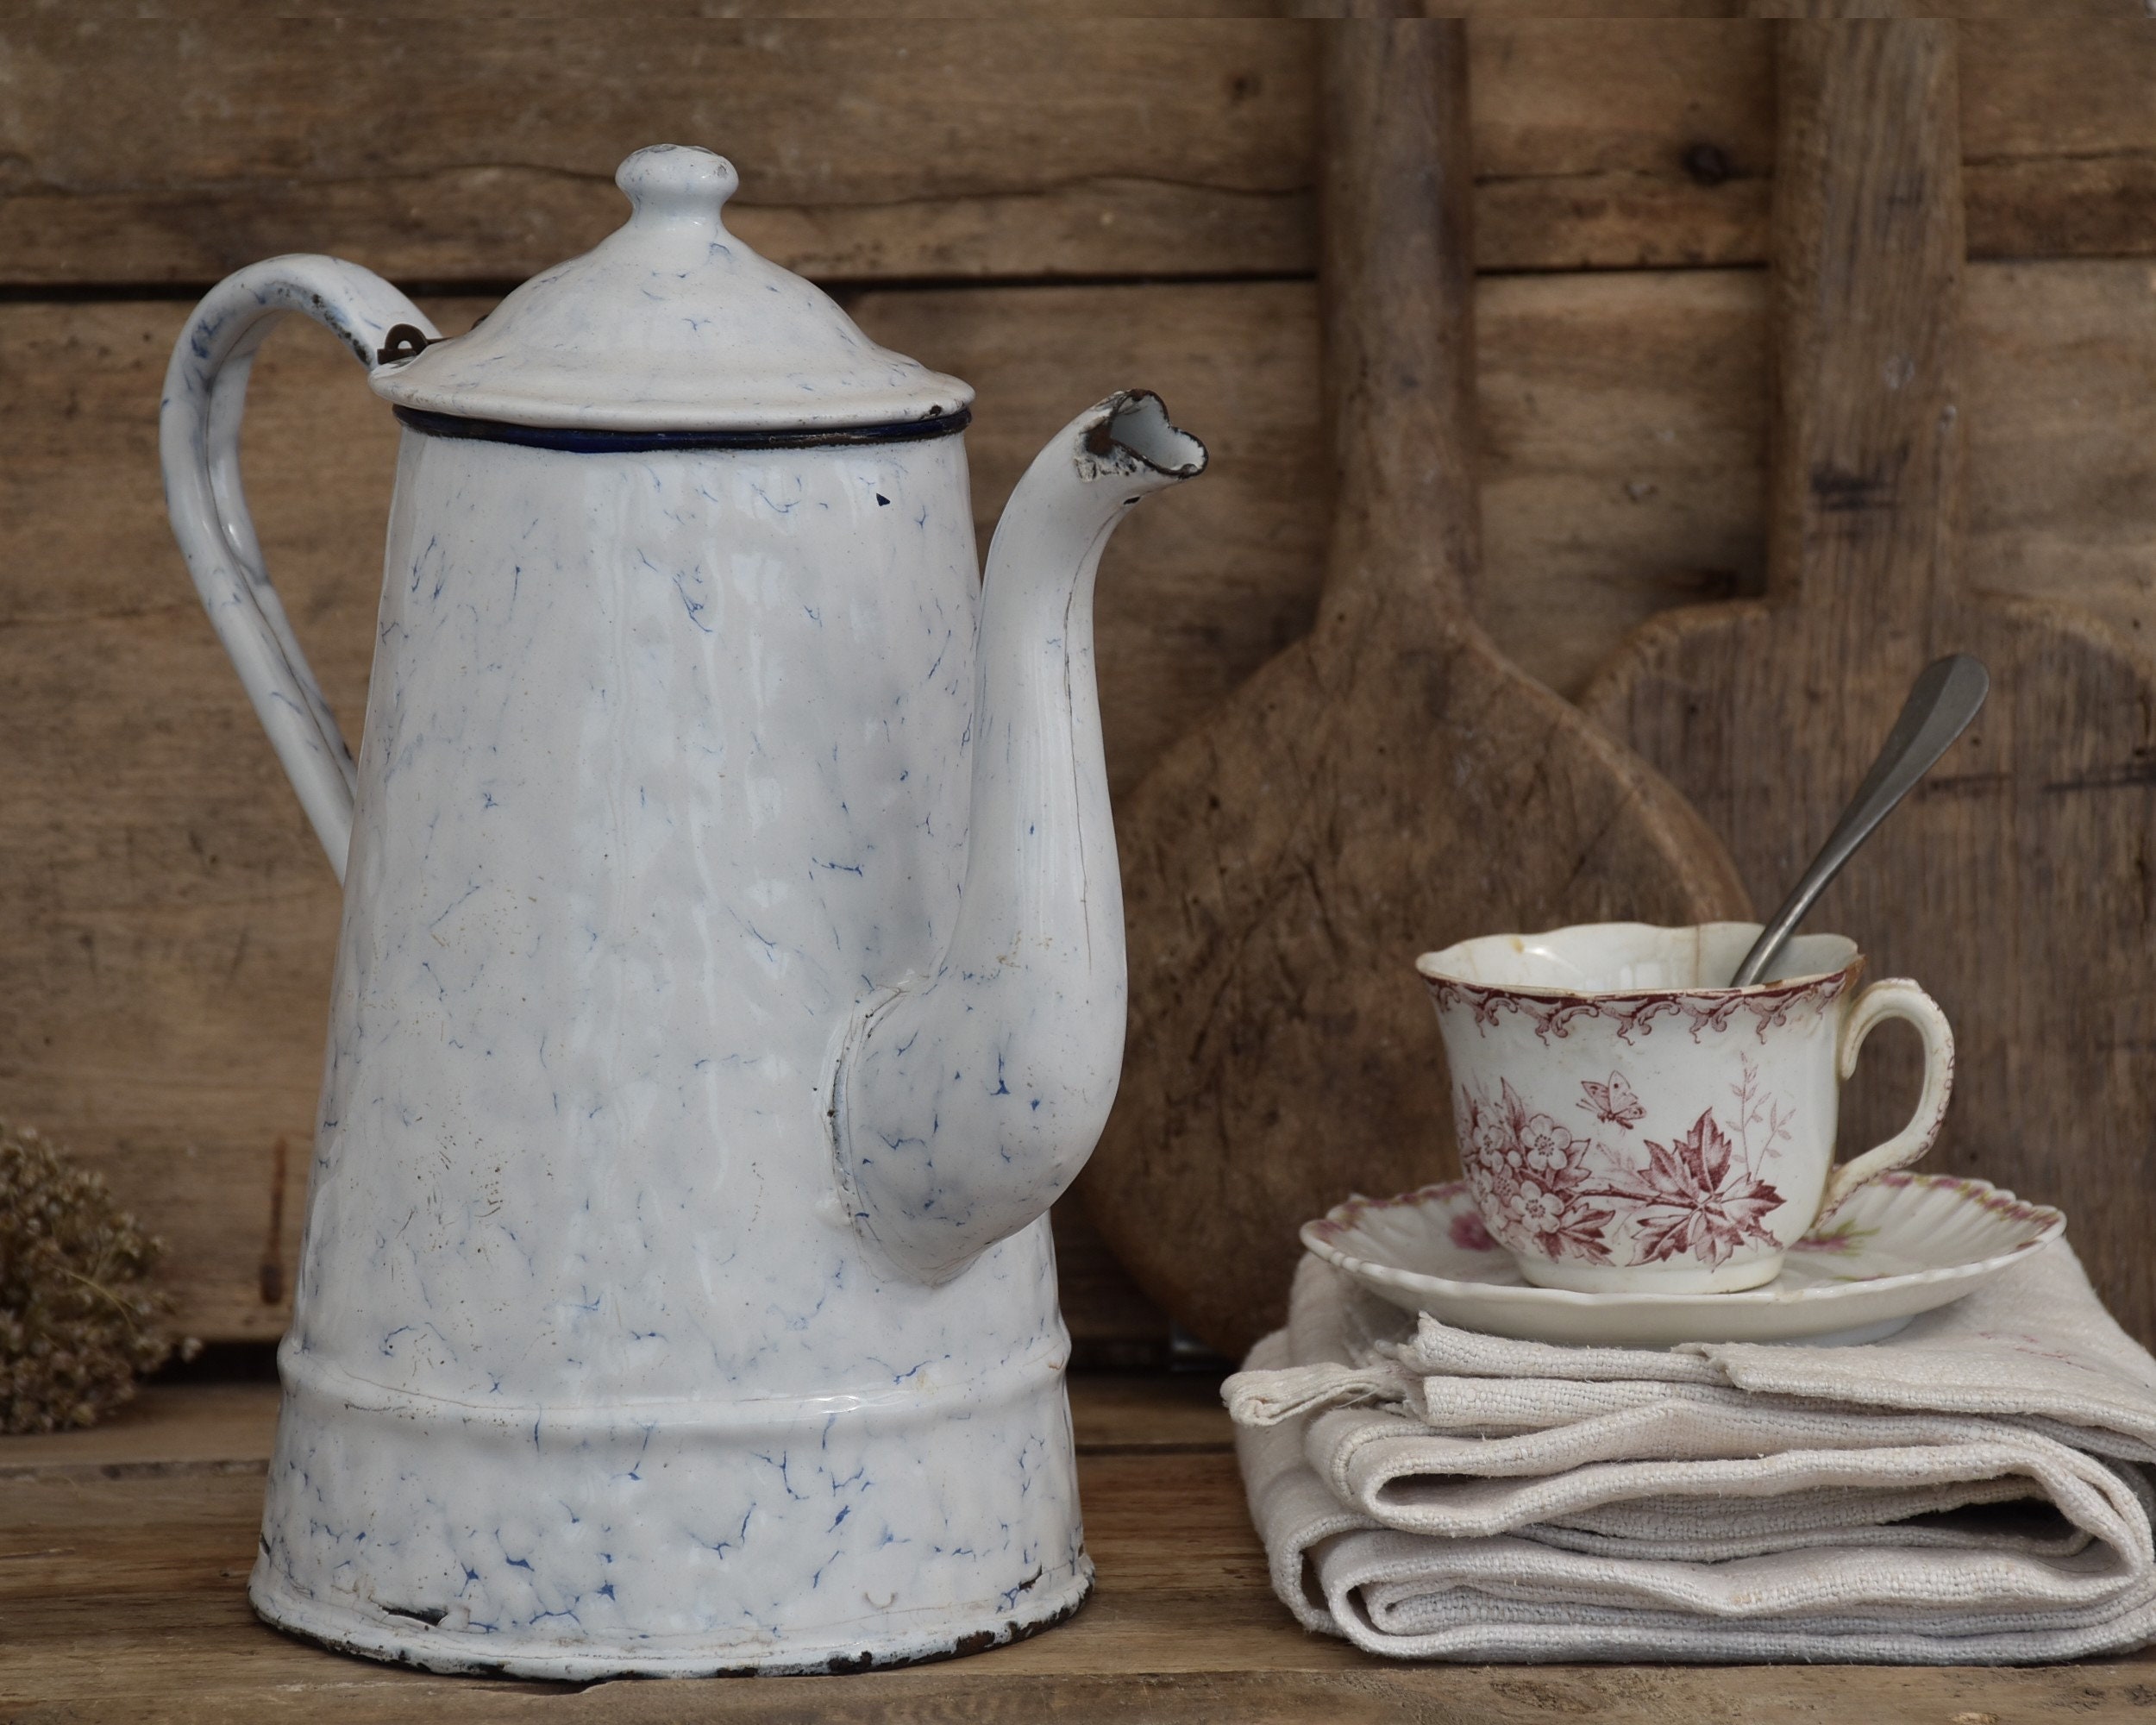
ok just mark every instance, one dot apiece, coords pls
pixel 965 1103
pixel 730 973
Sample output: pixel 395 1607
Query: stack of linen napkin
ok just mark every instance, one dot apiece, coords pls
pixel 1969 1490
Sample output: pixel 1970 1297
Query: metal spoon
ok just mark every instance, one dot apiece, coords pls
pixel 1944 698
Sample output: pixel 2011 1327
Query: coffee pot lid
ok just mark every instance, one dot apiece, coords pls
pixel 671 324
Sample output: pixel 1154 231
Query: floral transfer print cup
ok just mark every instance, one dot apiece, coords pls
pixel 1626 1123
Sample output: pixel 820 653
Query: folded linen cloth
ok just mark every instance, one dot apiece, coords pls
pixel 1969 1490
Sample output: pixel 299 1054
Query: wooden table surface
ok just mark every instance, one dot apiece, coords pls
pixel 124 1555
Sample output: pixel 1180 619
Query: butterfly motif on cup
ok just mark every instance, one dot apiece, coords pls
pixel 1614 1103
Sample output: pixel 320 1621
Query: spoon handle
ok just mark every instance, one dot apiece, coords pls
pixel 1945 697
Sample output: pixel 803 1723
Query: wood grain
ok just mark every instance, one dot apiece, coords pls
pixel 1613 142
pixel 122 1580
pixel 146 152
pixel 1039 144
pixel 2058 135
pixel 1388 785
pixel 2015 885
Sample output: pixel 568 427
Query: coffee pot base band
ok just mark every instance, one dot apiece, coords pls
pixel 817 1534
pixel 452 1654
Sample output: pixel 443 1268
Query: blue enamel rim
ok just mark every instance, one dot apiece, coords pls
pixel 581 442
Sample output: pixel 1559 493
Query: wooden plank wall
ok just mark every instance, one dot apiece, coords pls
pixel 1050 207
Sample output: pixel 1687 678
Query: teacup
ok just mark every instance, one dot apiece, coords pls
pixel 1626 1121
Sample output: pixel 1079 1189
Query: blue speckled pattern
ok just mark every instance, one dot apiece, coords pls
pixel 969 1097
pixel 613 888
pixel 731 973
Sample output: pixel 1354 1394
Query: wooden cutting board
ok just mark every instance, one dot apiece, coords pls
pixel 1388 786
pixel 2019 884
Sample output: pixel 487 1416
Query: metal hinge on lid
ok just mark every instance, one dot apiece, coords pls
pixel 404 341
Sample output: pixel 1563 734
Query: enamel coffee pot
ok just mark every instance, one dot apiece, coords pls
pixel 731 973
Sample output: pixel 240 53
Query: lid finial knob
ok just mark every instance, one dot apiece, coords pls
pixel 677 182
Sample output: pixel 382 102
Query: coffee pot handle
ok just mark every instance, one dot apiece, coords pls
pixel 1896 997
pixel 199 437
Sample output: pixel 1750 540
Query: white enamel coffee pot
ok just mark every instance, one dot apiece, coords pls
pixel 731 973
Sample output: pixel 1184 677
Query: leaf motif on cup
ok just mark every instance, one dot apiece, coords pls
pixel 1695 1198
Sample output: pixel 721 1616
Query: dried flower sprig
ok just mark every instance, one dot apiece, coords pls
pixel 79 1321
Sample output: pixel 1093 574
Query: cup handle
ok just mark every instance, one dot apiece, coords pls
pixel 1895 998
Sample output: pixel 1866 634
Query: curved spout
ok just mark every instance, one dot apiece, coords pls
pixel 963 1103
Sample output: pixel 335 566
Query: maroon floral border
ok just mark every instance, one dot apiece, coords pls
pixel 1715 1009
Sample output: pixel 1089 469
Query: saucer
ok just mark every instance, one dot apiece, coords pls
pixel 1903 1245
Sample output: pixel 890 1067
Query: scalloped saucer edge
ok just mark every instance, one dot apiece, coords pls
pixel 1905 1243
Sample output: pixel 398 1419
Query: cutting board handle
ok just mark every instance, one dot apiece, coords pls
pixel 1397 287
